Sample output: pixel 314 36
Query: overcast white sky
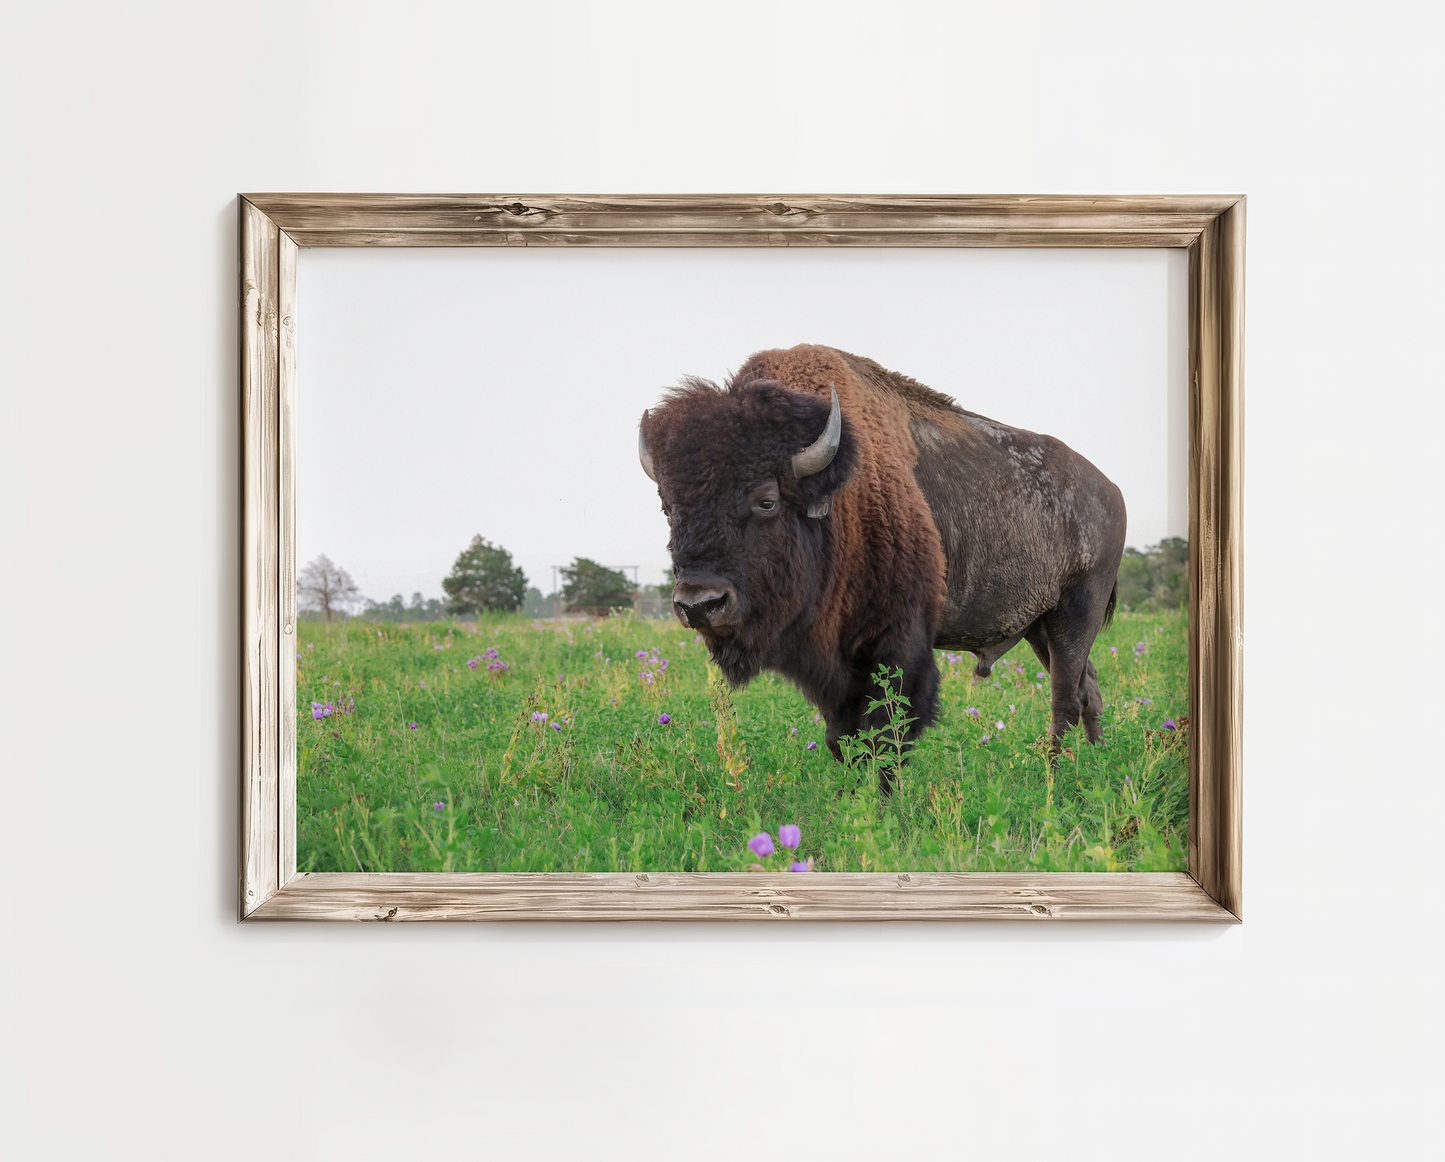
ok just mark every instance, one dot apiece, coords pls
pixel 444 393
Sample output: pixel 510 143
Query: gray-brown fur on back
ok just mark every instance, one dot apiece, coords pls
pixel 1022 517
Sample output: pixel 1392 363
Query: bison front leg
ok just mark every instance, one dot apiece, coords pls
pixel 893 702
pixel 842 723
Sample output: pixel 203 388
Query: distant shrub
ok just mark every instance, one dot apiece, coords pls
pixel 588 587
pixel 1157 579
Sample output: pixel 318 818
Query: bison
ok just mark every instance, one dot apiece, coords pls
pixel 829 517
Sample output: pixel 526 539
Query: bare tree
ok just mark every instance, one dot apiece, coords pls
pixel 326 587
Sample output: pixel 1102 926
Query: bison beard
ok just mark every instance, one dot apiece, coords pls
pixel 928 526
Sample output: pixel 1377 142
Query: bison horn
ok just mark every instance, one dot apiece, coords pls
pixel 819 454
pixel 643 454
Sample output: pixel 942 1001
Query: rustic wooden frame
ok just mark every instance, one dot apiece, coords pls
pixel 274 226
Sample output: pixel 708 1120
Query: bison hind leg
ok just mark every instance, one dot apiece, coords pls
pixel 1092 702
pixel 1062 639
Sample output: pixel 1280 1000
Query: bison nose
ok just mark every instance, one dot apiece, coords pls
pixel 700 614
pixel 704 606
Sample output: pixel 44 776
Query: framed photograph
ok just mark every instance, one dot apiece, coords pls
pixel 741 557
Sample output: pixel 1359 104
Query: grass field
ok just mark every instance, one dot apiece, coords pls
pixel 514 745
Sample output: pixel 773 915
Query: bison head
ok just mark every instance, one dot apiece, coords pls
pixel 747 474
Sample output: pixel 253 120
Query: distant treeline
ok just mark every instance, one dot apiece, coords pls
pixel 484 578
pixel 420 609
pixel 1156 579
pixel 534 604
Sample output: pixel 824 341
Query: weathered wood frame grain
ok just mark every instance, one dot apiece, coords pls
pixel 272 229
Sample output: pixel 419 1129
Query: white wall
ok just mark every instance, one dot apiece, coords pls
pixel 142 1021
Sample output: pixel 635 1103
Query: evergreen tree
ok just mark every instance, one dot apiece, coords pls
pixel 592 588
pixel 484 578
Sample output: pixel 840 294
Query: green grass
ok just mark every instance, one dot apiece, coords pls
pixel 479 784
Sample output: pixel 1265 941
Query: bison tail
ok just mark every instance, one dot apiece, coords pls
pixel 1109 609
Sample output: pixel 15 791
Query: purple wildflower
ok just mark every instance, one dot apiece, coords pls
pixel 972 710
pixel 555 725
pixel 663 719
pixel 986 738
pixel 999 725
pixel 761 844
pixel 801 867
pixel 794 730
pixel 1144 701
pixel 538 716
pixel 472 663
pixel 790 835
pixel 1170 724
pixel 1042 674
pixel 411 725
pixel 1113 649
pixel 439 805
pixel 640 654
pixel 811 746
pixel 316 711
pixel 490 652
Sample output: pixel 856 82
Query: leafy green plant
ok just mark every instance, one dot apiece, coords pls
pixel 880 750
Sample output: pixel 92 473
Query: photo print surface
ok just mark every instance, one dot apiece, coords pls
pixel 492 673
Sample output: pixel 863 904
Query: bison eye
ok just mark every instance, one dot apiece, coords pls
pixel 763 498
